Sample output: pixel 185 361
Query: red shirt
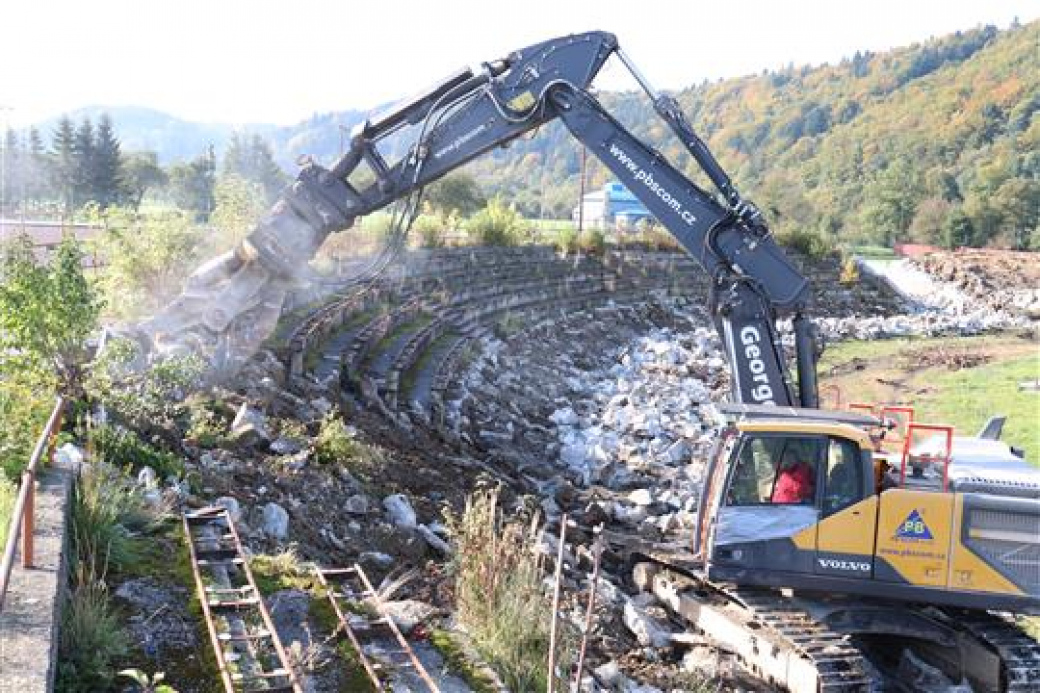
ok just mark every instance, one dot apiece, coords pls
pixel 794 485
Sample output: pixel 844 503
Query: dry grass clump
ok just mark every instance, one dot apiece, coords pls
pixel 499 593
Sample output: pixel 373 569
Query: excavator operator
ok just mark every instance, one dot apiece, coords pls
pixel 795 481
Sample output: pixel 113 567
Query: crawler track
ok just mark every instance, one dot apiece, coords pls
pixel 351 594
pixel 776 641
pixel 249 654
pixel 1019 653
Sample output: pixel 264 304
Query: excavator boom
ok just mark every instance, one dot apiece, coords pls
pixel 473 111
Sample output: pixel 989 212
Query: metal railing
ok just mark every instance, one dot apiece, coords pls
pixel 22 516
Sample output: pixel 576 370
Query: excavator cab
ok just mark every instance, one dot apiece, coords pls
pixel 793 500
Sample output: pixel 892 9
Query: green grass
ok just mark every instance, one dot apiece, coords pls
pixel 872 252
pixel 963 398
pixel 969 397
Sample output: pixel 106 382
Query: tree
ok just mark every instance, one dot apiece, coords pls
pixel 147 258
pixel 63 169
pixel 1019 202
pixel 47 312
pixel 83 171
pixel 191 185
pixel 107 179
pixel 251 160
pixel 958 231
pixel 239 205
pixel 457 192
pixel 141 173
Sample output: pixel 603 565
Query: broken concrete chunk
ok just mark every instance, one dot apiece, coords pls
pixel 645 628
pixel 401 512
pixel 276 521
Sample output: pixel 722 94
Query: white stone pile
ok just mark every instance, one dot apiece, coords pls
pixel 645 425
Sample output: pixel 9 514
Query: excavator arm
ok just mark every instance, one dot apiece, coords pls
pixel 474 111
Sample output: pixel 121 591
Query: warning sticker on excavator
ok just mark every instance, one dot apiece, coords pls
pixel 913 528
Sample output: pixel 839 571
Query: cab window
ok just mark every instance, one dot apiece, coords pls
pixel 775 470
pixel 843 482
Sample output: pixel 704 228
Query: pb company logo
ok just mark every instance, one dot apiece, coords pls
pixel 913 528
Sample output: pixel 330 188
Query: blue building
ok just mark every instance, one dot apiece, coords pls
pixel 612 206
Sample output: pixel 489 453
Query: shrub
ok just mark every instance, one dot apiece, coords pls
pixel 144 398
pixel 497 224
pixel 124 450
pixel 431 231
pixel 849 271
pixel 593 241
pixel 567 240
pixel 337 444
pixel 809 243
pixel 25 404
pixel 499 597
pixel 106 510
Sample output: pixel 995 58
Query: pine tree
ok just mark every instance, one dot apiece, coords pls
pixel 108 182
pixel 251 160
pixel 63 164
pixel 36 187
pixel 83 177
pixel 12 176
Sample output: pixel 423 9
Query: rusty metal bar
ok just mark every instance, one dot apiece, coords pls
pixel 550 679
pixel 270 633
pixel 344 623
pixel 200 588
pixel 597 554
pixel 22 519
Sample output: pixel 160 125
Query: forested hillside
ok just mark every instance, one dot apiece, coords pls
pixel 937 142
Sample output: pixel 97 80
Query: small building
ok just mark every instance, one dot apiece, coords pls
pixel 612 206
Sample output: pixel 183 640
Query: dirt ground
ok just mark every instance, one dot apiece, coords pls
pixel 979 271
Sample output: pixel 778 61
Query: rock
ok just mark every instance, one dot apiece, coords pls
pixel 146 478
pixel 295 463
pixel 231 505
pixel 408 613
pixel 702 661
pixel 286 446
pixel 645 628
pixel 248 436
pixel 564 417
pixel 609 674
pixel 400 510
pixel 321 405
pixel 276 521
pixel 435 542
pixel 249 427
pixel 641 497
pixel 358 504
pixel 677 452
pixel 406 542
pixel 69 455
pixel 375 559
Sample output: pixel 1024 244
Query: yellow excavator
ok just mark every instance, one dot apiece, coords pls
pixel 811 532
pixel 818 540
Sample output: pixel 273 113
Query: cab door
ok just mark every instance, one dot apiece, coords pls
pixel 846 533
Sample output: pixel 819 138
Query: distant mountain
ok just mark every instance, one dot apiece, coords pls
pixel 146 129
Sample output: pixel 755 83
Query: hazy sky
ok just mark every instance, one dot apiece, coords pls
pixel 245 61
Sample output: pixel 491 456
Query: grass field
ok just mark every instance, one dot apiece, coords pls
pixel 958 381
